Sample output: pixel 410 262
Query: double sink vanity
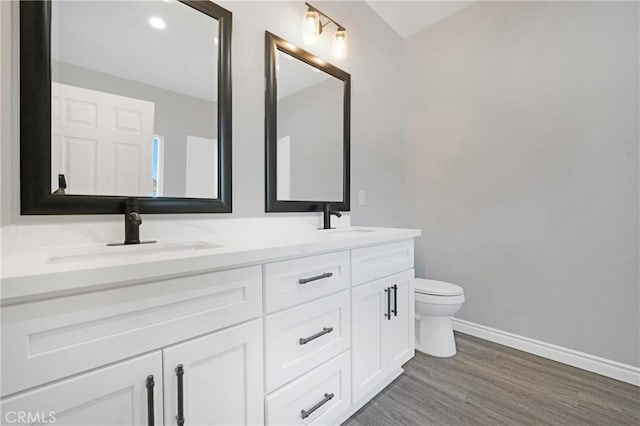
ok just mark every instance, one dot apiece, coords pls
pixel 295 328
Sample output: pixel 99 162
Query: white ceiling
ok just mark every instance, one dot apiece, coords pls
pixel 410 17
pixel 114 37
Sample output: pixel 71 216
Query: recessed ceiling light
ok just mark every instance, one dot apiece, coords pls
pixel 157 23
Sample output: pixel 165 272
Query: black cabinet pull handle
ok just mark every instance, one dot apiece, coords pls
pixel 316 278
pixel 305 340
pixel 388 291
pixel 150 384
pixel 180 416
pixel 395 300
pixel 306 413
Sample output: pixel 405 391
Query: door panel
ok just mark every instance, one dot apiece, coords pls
pixel 222 381
pixel 101 142
pixel 368 316
pixel 115 395
pixel 398 335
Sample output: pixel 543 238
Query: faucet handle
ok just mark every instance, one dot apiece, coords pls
pixel 335 213
pixel 135 218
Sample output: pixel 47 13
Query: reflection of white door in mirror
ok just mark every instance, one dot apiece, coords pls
pixel 101 142
pixel 283 169
pixel 201 167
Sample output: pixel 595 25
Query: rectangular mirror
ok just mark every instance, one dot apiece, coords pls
pixel 140 106
pixel 307 135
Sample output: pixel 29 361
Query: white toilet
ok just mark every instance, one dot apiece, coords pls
pixel 436 303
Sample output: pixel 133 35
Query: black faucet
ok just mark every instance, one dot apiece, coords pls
pixel 132 222
pixel 326 215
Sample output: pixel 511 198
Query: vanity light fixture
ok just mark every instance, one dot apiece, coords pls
pixel 313 26
pixel 157 23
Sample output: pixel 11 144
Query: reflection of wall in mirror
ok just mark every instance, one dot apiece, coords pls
pixel 176 116
pixel 202 179
pixel 313 119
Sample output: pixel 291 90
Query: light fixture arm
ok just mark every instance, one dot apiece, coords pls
pixel 324 15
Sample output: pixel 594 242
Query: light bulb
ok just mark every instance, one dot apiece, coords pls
pixel 157 23
pixel 339 50
pixel 311 27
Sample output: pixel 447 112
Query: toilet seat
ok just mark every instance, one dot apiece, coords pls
pixel 437 288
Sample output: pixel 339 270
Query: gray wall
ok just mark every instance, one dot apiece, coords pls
pixel 313 119
pixel 377 107
pixel 377 120
pixel 176 116
pixel 523 168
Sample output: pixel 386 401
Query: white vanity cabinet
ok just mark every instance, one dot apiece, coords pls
pixel 304 338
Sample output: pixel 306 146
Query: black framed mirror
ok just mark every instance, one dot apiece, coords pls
pixel 307 126
pixel 125 100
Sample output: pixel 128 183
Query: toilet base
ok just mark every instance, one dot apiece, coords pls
pixel 434 336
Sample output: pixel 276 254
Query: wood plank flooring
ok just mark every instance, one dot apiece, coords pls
pixel 490 384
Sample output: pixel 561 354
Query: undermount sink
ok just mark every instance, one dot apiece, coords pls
pixel 129 251
pixel 351 231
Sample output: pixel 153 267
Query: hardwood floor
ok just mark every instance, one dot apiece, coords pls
pixel 490 384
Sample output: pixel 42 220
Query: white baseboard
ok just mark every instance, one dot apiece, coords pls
pixel 605 367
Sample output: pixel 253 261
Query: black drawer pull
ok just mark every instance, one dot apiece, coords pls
pixel 150 384
pixel 305 340
pixel 395 300
pixel 180 416
pixel 306 413
pixel 388 314
pixel 316 278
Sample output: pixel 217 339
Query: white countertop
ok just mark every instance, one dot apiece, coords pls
pixel 49 271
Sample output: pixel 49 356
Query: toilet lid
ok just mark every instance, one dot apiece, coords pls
pixel 437 288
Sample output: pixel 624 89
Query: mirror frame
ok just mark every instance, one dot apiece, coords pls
pixel 35 125
pixel 273 43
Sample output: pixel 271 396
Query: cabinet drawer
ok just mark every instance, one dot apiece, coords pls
pixel 50 339
pixel 375 262
pixel 296 281
pixel 327 389
pixel 303 337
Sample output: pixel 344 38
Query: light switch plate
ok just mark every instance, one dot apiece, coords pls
pixel 361 198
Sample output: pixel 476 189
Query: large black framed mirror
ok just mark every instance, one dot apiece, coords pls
pixel 124 100
pixel 307 128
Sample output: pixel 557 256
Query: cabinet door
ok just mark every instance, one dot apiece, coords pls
pixel 222 378
pixel 399 333
pixel 369 306
pixel 115 395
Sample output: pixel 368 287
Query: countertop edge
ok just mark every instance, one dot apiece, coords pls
pixel 37 286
